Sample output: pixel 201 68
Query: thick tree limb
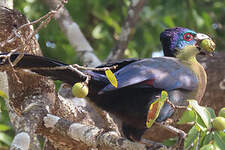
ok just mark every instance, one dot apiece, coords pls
pixel 6 30
pixel 7 3
pixel 74 34
pixel 91 135
pixel 127 30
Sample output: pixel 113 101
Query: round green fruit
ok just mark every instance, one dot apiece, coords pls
pixel 80 90
pixel 222 112
pixel 219 123
pixel 208 45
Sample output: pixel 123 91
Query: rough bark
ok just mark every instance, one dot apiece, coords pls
pixel 26 101
pixel 7 3
pixel 91 135
pixel 215 69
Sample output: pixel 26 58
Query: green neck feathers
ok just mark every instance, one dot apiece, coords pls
pixel 187 57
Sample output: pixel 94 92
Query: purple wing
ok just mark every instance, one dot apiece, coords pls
pixel 162 73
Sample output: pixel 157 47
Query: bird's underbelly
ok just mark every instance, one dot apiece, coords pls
pixel 131 105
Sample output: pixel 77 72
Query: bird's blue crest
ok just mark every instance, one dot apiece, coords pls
pixel 173 39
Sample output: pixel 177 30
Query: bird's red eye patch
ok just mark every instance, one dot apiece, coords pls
pixel 188 37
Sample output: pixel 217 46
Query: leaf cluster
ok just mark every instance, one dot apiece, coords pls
pixel 203 135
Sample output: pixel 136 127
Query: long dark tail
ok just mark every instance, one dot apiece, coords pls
pixel 43 66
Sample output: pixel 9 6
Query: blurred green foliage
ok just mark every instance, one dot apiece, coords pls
pixel 101 21
pixel 6 131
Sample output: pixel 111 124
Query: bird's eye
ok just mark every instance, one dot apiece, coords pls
pixel 188 37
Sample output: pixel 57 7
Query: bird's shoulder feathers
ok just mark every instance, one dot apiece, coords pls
pixel 161 72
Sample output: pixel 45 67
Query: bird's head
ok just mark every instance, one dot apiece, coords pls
pixel 183 42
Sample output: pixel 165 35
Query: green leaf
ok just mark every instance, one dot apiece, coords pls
pixel 202 112
pixel 207 139
pixel 201 138
pixel 219 142
pixel 111 77
pixel 216 147
pixel 2 94
pixel 222 135
pixel 208 147
pixel 170 142
pixel 155 108
pixel 211 111
pixel 199 122
pixel 188 116
pixel 5 138
pixel 191 136
pixel 4 127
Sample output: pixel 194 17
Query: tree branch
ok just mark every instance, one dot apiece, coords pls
pixel 91 135
pixel 7 16
pixel 74 34
pixel 127 30
pixel 21 142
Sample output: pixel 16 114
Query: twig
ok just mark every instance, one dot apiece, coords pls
pixel 126 33
pixel 15 34
pixel 181 134
pixel 95 69
pixel 46 16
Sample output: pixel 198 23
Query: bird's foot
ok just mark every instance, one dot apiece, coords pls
pixel 180 133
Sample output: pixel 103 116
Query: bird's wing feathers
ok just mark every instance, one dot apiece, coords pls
pixel 119 63
pixel 163 73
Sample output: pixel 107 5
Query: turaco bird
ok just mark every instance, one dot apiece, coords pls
pixel 140 81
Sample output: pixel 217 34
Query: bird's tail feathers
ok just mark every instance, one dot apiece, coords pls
pixel 43 66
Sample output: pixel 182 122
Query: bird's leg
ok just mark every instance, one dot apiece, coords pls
pixel 175 106
pixel 181 134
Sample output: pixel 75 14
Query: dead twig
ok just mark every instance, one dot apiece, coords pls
pixel 16 35
pixel 16 32
pixel 127 30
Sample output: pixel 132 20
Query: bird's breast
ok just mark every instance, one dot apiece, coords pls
pixel 200 73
